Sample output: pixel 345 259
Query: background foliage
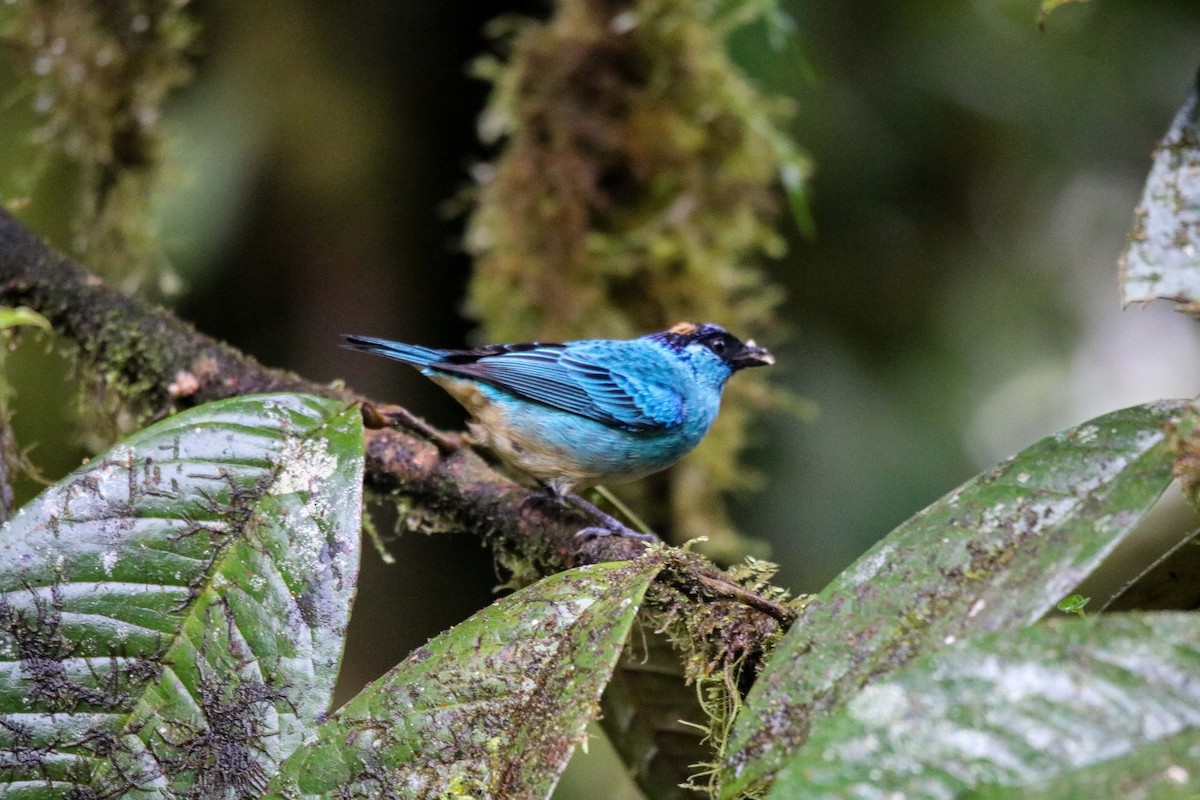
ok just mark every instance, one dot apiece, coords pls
pixel 974 183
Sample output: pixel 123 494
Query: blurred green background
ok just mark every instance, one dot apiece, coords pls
pixel 975 180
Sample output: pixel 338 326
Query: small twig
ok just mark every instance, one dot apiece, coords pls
pixel 389 416
pixel 373 535
pixel 725 590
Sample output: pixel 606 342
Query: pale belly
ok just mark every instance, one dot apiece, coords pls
pixel 565 450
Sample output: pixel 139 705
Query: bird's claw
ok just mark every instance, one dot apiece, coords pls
pixel 596 531
pixel 609 525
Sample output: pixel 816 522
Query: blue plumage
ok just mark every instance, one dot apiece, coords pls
pixel 596 411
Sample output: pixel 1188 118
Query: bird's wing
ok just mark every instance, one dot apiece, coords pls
pixel 620 384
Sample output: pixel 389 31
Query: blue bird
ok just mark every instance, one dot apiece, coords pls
pixel 578 414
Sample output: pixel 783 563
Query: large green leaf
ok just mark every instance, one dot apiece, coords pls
pixel 1048 7
pixel 1163 256
pixel 19 316
pixel 1071 708
pixel 996 553
pixel 1166 769
pixel 172 614
pixel 491 708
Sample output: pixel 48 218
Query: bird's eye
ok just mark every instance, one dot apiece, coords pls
pixel 718 346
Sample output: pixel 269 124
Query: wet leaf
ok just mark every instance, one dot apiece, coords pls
pixel 492 708
pixel 996 553
pixel 1166 769
pixel 1163 256
pixel 172 614
pixel 795 173
pixel 1048 7
pixel 11 317
pixel 1094 709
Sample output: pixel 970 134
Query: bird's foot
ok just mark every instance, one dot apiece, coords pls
pixel 609 526
pixel 596 531
pixel 396 416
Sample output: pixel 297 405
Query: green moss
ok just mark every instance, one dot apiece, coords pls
pixel 636 188
pixel 97 74
pixel 1184 440
pixel 720 643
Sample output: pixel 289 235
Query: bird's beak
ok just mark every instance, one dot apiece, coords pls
pixel 752 356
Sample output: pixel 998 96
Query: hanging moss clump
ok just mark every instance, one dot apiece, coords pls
pixel 636 187
pixel 96 74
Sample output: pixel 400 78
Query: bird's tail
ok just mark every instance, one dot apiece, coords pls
pixel 408 353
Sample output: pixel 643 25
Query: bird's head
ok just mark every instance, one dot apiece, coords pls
pixel 709 341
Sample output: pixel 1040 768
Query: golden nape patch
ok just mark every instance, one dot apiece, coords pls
pixel 683 329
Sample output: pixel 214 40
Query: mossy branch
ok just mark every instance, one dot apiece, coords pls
pixel 156 363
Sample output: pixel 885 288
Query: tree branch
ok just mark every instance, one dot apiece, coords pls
pixel 159 363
